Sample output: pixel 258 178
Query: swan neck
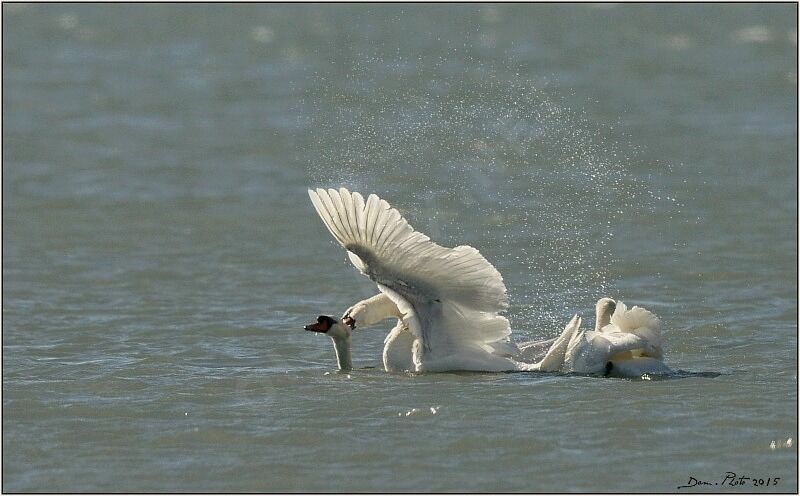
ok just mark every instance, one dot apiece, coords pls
pixel 603 318
pixel 343 356
pixel 375 309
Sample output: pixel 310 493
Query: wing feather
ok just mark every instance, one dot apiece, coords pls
pixel 326 218
pixel 341 213
pixel 451 297
pixel 370 215
pixel 553 360
pixel 331 217
pixel 361 218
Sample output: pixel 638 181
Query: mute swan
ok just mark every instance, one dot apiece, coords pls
pixel 450 299
pixel 447 301
pixel 624 343
pixel 398 348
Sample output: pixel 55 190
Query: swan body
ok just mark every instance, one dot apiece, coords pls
pixel 624 343
pixel 398 350
pixel 448 304
pixel 450 299
pixel 399 343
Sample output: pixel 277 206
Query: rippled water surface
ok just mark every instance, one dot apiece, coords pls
pixel 160 254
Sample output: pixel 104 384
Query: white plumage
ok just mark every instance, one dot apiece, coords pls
pixel 629 346
pixel 448 302
pixel 450 298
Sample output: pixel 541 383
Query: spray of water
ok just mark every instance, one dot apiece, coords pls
pixel 475 155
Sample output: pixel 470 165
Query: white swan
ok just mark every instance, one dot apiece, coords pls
pixel 450 299
pixel 447 300
pixel 398 348
pixel 624 343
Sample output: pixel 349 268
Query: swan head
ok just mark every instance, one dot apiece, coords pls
pixel 330 327
pixel 340 334
pixel 603 310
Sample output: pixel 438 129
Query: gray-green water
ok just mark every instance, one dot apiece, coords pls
pixel 160 254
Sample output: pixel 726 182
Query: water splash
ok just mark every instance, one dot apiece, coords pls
pixel 472 154
pixel 781 444
pixel 420 411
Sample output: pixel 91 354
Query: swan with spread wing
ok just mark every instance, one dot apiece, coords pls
pixel 448 304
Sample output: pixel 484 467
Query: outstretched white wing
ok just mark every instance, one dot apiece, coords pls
pixel 450 297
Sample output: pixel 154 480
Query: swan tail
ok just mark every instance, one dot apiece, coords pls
pixel 630 319
pixel 641 322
